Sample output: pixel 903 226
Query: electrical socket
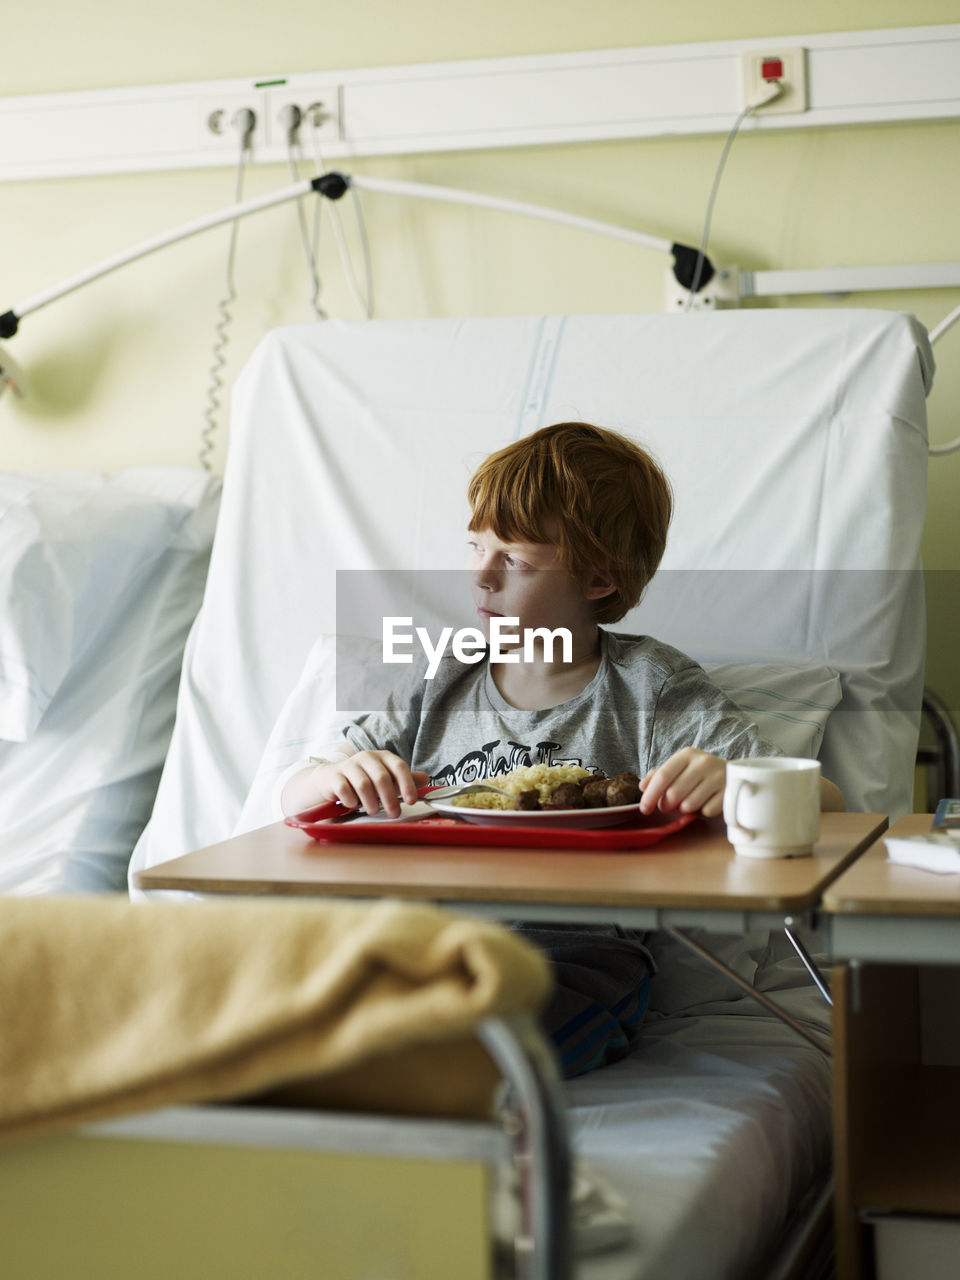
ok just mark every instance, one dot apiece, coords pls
pixel 217 121
pixel 319 108
pixel 793 82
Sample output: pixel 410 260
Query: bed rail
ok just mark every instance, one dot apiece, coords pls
pixel 534 1117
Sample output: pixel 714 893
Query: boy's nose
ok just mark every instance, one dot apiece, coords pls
pixel 486 578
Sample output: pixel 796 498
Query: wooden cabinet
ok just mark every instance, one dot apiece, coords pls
pixel 896 1122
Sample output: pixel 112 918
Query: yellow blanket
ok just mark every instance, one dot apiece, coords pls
pixel 108 1007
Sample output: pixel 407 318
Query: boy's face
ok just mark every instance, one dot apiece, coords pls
pixel 525 580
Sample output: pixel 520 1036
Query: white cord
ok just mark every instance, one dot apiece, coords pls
pixel 363 299
pixel 257 204
pixel 246 122
pixel 206 223
pixel 454 195
pixel 294 155
pixel 708 215
pixel 938 450
pixel 773 89
pixel 318 204
pixel 308 242
pixel 365 249
pixel 11 375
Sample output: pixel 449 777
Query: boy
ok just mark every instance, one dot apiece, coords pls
pixel 567 528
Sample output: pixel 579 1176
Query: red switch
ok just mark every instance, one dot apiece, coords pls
pixel 771 69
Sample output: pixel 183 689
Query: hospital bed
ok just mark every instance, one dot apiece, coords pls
pixel 796 444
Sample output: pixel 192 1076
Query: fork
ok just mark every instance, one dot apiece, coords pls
pixel 336 811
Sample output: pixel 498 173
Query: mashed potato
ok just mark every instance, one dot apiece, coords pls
pixel 544 777
pixel 484 800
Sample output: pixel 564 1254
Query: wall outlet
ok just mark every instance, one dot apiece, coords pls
pixel 793 82
pixel 319 115
pixel 218 123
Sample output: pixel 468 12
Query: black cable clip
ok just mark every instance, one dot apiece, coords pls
pixel 685 268
pixel 333 185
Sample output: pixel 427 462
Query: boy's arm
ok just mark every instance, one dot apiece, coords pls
pixel 369 779
pixel 693 781
pixel 690 780
pixel 301 790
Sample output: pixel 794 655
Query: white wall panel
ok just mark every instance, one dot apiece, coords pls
pixel 858 77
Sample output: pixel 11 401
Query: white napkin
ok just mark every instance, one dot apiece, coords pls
pixel 935 851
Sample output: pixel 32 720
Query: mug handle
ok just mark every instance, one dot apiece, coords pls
pixel 751 788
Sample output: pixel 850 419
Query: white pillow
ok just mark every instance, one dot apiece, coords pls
pixel 107 575
pixel 789 704
pixel 71 543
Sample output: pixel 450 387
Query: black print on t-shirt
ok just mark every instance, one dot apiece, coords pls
pixel 480 764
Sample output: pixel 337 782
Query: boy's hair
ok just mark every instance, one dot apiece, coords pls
pixel 600 498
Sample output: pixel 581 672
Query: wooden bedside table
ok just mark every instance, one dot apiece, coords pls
pixel 692 877
pixel 896 1063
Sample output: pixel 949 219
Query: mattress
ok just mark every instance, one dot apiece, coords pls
pixel 716 1125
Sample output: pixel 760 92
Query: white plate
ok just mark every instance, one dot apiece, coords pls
pixel 607 817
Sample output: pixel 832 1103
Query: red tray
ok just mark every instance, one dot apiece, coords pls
pixel 639 833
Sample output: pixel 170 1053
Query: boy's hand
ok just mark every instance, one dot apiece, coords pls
pixel 691 781
pixel 371 779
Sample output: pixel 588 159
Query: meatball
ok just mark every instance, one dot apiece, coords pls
pixel 569 795
pixel 623 789
pixel 595 792
pixel 529 799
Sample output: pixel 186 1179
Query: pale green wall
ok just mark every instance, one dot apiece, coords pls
pixel 119 370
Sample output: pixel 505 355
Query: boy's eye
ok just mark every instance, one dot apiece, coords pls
pixel 511 562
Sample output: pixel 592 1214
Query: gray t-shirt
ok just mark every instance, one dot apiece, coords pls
pixel 646 701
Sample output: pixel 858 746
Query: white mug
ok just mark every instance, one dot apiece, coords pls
pixel 771 806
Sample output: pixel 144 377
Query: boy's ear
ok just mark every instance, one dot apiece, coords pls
pixel 597 585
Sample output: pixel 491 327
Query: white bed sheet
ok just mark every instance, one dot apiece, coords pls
pixel 717 1124
pixel 710 1138
pixel 795 440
